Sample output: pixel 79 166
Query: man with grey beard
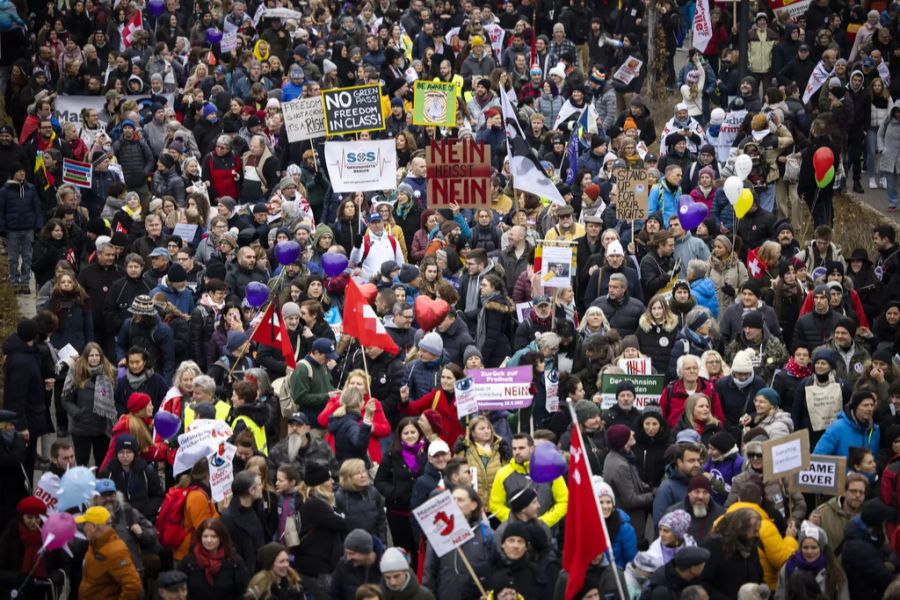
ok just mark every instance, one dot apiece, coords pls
pixel 700 505
pixel 299 447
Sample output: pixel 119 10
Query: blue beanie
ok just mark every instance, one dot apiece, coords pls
pixel 771 395
pixel 209 109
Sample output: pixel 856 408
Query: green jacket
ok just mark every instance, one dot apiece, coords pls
pixel 310 384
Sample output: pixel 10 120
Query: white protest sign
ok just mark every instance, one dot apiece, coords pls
pixel 362 166
pixel 551 385
pixel 200 440
pixel 186 231
pixel 304 119
pixel 556 266
pixel 786 455
pixel 221 471
pixel 636 366
pixel 466 402
pixel 825 475
pixel 443 523
pixel 229 41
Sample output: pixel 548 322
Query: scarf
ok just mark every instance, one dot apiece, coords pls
pixel 136 381
pixel 744 548
pixel 211 563
pixel 541 324
pixel 104 403
pixel 668 553
pixel 796 370
pixel 32 542
pixel 410 454
pixel 742 384
pixel 796 561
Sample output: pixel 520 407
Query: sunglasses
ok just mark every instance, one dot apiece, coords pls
pixel 752 455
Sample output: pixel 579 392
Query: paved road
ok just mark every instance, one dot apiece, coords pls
pixel 877 199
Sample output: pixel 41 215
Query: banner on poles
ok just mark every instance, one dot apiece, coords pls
pixel 443 523
pixel 434 104
pixel 304 119
pixel 634 194
pixel 458 171
pixel 507 388
pixel 353 109
pixel 362 166
pixel 647 388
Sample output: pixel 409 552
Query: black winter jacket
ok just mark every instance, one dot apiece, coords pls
pixel 228 584
pixel 20 207
pixel 248 534
pixel 395 480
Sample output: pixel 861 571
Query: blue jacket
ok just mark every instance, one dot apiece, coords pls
pixel 845 433
pixel 418 184
pixel 664 200
pixel 422 378
pixel 183 300
pixel 291 92
pixel 351 437
pixel 687 248
pixel 20 207
pixel 163 339
pixel 673 489
pixel 722 210
pixel 590 162
pixel 704 292
pixel 625 543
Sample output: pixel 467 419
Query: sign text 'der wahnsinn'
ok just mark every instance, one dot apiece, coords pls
pixel 459 171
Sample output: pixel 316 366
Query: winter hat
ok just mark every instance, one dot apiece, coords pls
pixel 435 420
pixel 30 505
pixel 142 305
pixel 522 499
pixel 811 531
pixel 126 441
pixel 290 309
pixel 848 324
pixel 235 340
pixel 471 351
pixel 759 122
pixel 743 361
pixel 700 482
pixel 629 341
pixel 625 386
pixel 27 330
pixel 137 402
pixel 717 116
pixel 617 436
pixel 754 286
pixel 585 410
pixel 687 436
pixel 393 560
pixel 359 540
pixel 883 354
pixel 770 395
pixel 629 124
pixel 598 75
pixel 874 513
pixel 209 109
pixel 388 267
pixel 316 473
pixel 857 398
pixel 448 226
pixel 408 273
pixel 691 556
pixel 826 355
pixel 707 170
pixel 266 555
pixel 678 521
pixel 615 249
pixel 592 191
pixel 177 274
pixel 432 342
pixel 752 319
pixel 722 441
pixel 603 489
pixel 516 529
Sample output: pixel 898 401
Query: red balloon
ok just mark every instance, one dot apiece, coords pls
pixel 823 160
pixel 429 313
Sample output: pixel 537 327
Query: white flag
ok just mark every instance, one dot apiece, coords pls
pixel 816 80
pixel 702 25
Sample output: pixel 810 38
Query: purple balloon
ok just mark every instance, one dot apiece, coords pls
pixel 690 213
pixel 333 263
pixel 166 424
pixel 58 530
pixel 546 463
pixel 213 35
pixel 287 252
pixel 156 7
pixel 257 293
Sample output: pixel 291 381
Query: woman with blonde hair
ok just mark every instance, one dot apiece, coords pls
pixel 87 397
pixel 698 416
pixel 381 428
pixel 713 366
pixel 359 501
pixel 276 579
pixel 485 451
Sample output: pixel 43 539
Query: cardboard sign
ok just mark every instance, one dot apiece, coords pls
pixel 508 388
pixel 353 109
pixel 434 104
pixel 466 402
pixel 443 523
pixel 362 166
pixel 825 475
pixel 303 119
pixel 186 231
pixel 634 191
pixel 458 171
pixel 636 366
pixel 784 456
pixel 557 266
pixel 647 388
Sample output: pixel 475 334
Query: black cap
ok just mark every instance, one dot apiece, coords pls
pixel 299 418
pixel 874 513
pixel 691 556
pixel 316 473
pixel 170 580
pixel 522 499
pixel 27 330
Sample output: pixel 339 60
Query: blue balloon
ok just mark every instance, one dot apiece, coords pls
pixel 76 487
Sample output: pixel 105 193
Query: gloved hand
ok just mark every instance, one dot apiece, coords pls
pixel 729 290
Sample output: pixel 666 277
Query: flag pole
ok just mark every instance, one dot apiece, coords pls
pixel 587 465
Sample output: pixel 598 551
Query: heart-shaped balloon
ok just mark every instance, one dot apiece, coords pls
pixel 369 291
pixel 690 213
pixel 429 313
pixel 547 463
pixel 743 204
pixel 333 263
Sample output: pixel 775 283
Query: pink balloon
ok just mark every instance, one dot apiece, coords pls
pixel 690 213
pixel 58 530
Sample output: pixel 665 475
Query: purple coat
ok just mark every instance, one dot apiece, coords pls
pixel 723 471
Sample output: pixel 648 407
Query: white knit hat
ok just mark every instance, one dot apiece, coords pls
pixel 743 361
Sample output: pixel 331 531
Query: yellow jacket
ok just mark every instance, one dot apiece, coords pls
pixel 259 433
pixel 222 411
pixel 774 550
pixel 554 233
pixel 554 498
pixel 486 473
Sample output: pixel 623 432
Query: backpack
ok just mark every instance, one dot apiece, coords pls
pixel 281 387
pixel 367 245
pixel 170 521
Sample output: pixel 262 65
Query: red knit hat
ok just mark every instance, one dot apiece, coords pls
pixel 137 402
pixel 434 419
pixel 30 505
pixel 592 190
pixel 699 482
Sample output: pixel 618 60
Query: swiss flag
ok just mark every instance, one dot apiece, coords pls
pixel 755 265
pixel 272 331
pixel 585 536
pixel 136 23
pixel 361 322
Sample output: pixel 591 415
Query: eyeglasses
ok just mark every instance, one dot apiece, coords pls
pixel 754 455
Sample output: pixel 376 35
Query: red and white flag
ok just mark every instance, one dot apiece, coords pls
pixel 272 331
pixel 755 265
pixel 703 32
pixel 136 23
pixel 361 322
pixel 586 536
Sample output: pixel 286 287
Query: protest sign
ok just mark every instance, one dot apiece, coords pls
pixel 556 266
pixel 458 171
pixel 551 385
pixel 303 119
pixel 523 311
pixel 353 109
pixel 434 104
pixel 77 173
pixel 647 388
pixel 229 41
pixel 825 475
pixel 636 366
pixel 200 440
pixel 443 523
pixel 361 166
pixel 185 231
pixel 466 402
pixel 68 108
pixel 823 404
pixel 221 471
pixel 794 8
pixel 629 70
pixel 634 191
pixel 786 455
pixel 508 388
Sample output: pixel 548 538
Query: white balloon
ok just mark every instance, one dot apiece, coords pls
pixel 743 164
pixel 733 186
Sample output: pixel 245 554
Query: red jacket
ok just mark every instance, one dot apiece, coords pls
pixel 674 396
pixel 380 426
pixel 152 454
pixel 445 404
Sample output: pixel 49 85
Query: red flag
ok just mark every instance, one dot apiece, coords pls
pixel 585 536
pixel 755 265
pixel 272 331
pixel 135 24
pixel 361 322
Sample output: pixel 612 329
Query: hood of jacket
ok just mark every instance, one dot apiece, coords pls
pixel 14 343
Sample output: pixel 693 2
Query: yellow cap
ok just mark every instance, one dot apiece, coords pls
pixel 476 40
pixel 95 514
